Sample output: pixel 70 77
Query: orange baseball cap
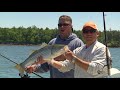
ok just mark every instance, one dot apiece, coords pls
pixel 90 24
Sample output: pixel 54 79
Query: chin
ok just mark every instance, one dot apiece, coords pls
pixel 89 39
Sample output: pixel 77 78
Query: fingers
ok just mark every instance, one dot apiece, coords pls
pixel 30 69
pixel 67 52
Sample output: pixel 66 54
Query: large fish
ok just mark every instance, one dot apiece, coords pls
pixel 46 51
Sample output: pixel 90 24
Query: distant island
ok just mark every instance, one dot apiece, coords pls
pixel 35 36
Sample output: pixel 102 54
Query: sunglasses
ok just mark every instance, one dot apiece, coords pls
pixel 65 24
pixel 89 31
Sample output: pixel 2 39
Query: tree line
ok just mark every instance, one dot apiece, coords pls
pixel 34 36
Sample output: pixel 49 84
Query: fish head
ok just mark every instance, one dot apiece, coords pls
pixel 59 50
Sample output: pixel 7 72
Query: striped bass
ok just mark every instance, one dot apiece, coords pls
pixel 46 51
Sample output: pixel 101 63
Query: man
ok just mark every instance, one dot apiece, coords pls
pixel 88 61
pixel 65 37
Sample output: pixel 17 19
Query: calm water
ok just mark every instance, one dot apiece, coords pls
pixel 20 53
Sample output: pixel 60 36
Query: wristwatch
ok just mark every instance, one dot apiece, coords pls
pixel 74 59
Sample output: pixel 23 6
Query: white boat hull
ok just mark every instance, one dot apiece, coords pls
pixel 114 73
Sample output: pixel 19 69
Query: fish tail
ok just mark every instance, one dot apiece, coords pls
pixel 21 70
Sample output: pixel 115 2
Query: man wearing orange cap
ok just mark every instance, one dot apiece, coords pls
pixel 88 61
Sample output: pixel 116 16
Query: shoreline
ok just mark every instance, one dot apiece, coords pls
pixel 39 45
pixel 20 44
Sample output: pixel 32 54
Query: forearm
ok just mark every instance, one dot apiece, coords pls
pixel 56 64
pixel 62 66
pixel 93 67
pixel 96 67
pixel 83 64
pixel 56 61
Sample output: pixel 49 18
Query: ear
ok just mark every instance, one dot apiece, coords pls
pixel 98 34
pixel 72 28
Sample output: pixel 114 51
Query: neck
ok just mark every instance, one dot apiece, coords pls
pixel 89 43
pixel 65 36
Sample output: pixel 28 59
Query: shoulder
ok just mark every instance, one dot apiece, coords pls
pixel 52 41
pixel 78 41
pixel 99 45
pixel 76 38
pixel 78 49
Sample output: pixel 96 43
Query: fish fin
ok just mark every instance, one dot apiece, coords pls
pixel 58 53
pixel 49 59
pixel 43 45
pixel 21 70
pixel 32 52
pixel 66 48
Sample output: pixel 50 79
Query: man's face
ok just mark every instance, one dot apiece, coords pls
pixel 90 34
pixel 65 27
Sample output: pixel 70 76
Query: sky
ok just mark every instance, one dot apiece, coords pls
pixel 50 19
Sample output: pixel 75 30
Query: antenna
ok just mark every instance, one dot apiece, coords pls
pixel 107 58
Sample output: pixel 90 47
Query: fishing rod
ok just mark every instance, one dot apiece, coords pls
pixel 25 76
pixel 107 58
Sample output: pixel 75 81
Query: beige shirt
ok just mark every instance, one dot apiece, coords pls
pixel 96 55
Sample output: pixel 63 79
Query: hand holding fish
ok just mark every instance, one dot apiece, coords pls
pixel 69 55
pixel 48 52
pixel 33 67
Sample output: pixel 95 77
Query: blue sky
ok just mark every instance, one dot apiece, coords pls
pixel 50 19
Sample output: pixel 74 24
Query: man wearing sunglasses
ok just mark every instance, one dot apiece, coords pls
pixel 65 37
pixel 88 61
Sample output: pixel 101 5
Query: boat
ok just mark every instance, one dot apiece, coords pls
pixel 112 72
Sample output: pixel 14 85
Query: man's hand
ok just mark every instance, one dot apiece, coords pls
pixel 69 55
pixel 34 66
pixel 31 68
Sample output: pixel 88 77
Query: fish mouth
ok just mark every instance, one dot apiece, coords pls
pixel 60 52
pixel 63 50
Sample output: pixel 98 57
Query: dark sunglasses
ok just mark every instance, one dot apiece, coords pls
pixel 65 24
pixel 89 31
